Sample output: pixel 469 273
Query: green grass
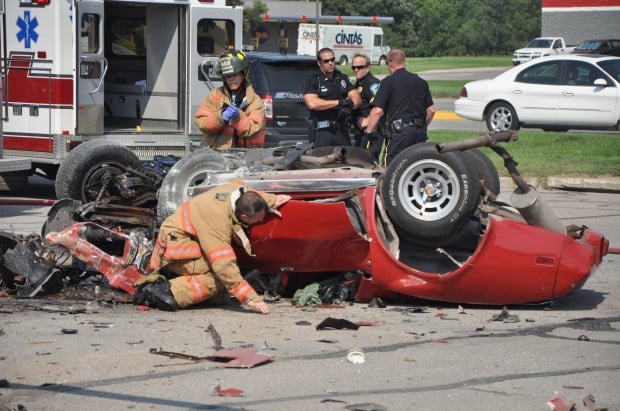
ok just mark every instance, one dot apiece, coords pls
pixel 446 88
pixel 418 64
pixel 543 154
pixel 442 88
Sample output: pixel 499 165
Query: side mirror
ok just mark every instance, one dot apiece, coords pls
pixel 600 82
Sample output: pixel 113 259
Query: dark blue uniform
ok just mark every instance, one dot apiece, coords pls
pixel 404 98
pixel 330 125
pixel 367 87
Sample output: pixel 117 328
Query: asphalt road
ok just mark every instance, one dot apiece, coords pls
pixel 419 355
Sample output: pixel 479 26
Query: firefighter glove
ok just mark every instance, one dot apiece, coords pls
pixel 230 113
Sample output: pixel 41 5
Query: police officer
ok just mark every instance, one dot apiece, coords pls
pixel 330 97
pixel 405 100
pixel 367 85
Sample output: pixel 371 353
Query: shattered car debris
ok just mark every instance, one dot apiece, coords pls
pixel 428 226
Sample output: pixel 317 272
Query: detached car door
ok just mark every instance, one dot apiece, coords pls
pixel 581 102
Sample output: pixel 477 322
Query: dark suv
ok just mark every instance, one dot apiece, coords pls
pixel 610 47
pixel 279 80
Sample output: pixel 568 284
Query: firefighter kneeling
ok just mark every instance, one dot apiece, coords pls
pixel 195 245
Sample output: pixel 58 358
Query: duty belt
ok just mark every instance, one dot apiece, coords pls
pixel 399 124
pixel 322 125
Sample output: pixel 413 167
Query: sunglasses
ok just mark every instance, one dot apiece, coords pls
pixel 331 60
pixel 358 67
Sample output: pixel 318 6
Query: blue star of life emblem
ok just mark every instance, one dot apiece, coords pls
pixel 27 29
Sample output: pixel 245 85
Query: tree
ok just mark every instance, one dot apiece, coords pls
pixel 450 28
pixel 252 16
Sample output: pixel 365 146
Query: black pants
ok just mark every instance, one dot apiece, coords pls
pixel 328 137
pixel 398 141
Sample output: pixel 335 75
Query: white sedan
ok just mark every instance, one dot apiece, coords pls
pixel 553 93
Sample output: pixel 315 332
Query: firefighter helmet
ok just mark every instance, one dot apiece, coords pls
pixel 232 62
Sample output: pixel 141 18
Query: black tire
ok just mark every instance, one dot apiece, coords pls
pixel 80 175
pixel 343 61
pixel 382 60
pixel 485 168
pixel 429 195
pixel 191 170
pixel 501 116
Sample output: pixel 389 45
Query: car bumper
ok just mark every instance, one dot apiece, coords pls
pixel 469 109
pixel 275 137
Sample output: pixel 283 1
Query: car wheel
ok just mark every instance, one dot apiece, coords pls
pixel 485 168
pixel 382 60
pixel 81 176
pixel 343 60
pixel 429 195
pixel 502 116
pixel 192 170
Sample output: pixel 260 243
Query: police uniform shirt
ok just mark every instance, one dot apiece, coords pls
pixel 403 95
pixel 367 87
pixel 327 89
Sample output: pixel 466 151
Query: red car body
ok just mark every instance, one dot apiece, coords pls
pixel 513 262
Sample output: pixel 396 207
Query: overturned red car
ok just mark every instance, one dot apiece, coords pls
pixel 429 226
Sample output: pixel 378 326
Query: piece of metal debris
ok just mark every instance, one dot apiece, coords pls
pixel 228 392
pixel 215 336
pixel 69 331
pixel 230 358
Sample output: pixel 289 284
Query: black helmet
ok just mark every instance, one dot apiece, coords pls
pixel 231 62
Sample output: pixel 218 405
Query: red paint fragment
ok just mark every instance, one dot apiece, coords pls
pixel 228 392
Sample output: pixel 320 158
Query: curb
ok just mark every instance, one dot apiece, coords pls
pixel 602 184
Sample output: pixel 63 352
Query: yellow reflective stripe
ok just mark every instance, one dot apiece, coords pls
pixel 223 253
pixel 198 289
pixel 186 223
pixel 242 290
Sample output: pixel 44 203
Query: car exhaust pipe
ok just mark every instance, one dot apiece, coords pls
pixel 535 211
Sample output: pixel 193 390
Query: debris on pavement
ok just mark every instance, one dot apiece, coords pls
pixel 228 392
pixel 505 316
pixel 217 340
pixel 376 302
pixel 337 324
pixel 356 356
pixel 228 357
pixel 561 403
pixel 367 406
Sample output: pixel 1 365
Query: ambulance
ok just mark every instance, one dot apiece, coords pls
pixel 128 73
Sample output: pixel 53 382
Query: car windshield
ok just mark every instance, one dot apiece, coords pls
pixel 289 75
pixel 589 45
pixel 542 43
pixel 611 67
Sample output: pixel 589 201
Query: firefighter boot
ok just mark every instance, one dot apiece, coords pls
pixel 156 294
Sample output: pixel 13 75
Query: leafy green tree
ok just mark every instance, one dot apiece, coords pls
pixel 450 28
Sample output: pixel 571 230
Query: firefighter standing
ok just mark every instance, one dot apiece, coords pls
pixel 330 97
pixel 195 245
pixel 232 115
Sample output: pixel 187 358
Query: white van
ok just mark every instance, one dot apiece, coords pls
pixel 346 41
